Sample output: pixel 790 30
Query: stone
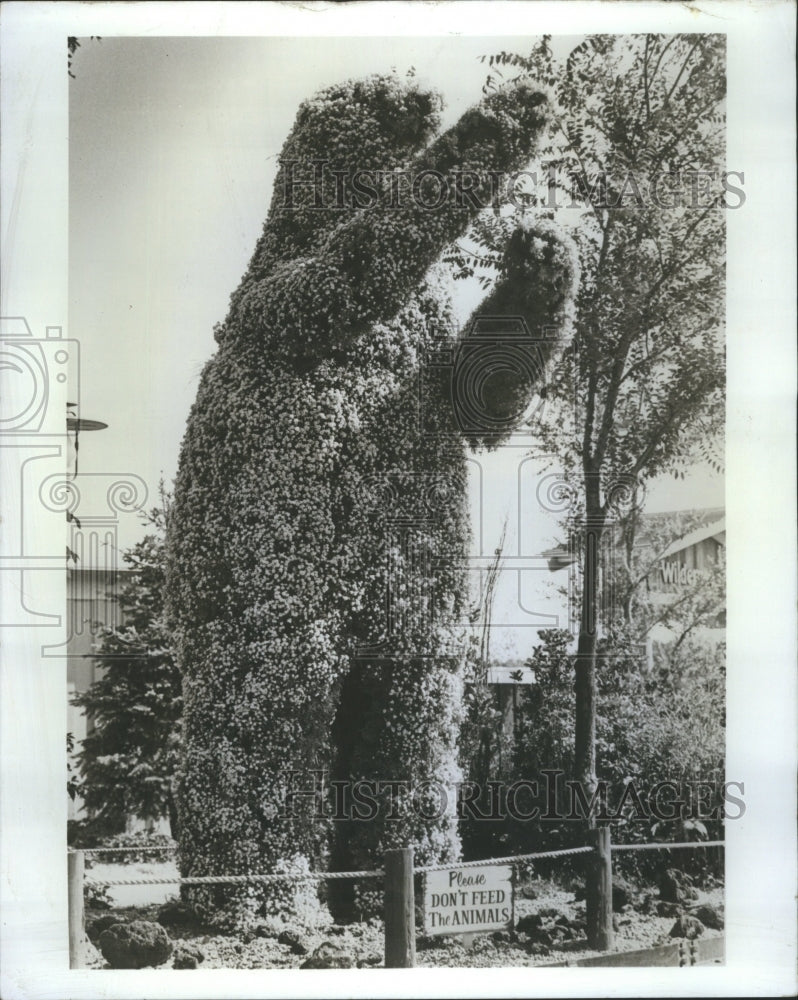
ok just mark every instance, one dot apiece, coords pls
pixel 530 923
pixel 666 909
pixel 710 916
pixel 369 961
pixel 538 948
pixel 97 925
pixel 623 894
pixel 687 927
pixel 188 956
pixel 425 943
pixel 328 956
pixel 294 941
pixel 529 892
pixel 136 945
pixel 503 937
pixel 670 885
pixel 175 913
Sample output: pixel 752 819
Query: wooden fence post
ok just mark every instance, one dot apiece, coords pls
pixel 75 909
pixel 400 910
pixel 598 901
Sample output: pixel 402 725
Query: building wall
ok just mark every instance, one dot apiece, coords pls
pixel 91 604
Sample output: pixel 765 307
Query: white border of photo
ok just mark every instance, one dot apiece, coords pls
pixel 761 851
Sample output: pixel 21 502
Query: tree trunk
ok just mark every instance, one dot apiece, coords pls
pixel 585 665
pixel 585 686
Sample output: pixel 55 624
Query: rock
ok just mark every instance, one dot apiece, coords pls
pixel 687 927
pixel 337 929
pixel 369 961
pixel 503 937
pixel 183 960
pixel 175 913
pixel 529 892
pixel 328 956
pixel 710 916
pixel 97 925
pixel 265 931
pixel 135 945
pixel 187 956
pixel 616 924
pixel 430 943
pixel 548 912
pixel 294 941
pixel 668 909
pixel 538 948
pixel 689 893
pixel 529 924
pixel 670 886
pixel 623 894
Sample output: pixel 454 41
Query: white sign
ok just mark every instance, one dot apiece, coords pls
pixel 468 900
pixel 674 572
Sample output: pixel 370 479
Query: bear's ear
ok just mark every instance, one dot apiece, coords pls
pixel 315 288
pixel 343 139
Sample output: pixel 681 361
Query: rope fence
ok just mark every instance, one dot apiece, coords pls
pixel 668 847
pixel 327 876
pixel 237 879
pixel 124 850
pixel 513 859
pixel 398 887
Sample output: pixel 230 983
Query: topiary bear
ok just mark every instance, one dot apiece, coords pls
pixel 324 467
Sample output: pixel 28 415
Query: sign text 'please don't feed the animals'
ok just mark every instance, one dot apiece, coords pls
pixel 468 900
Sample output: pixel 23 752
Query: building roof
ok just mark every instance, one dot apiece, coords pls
pixel 716 530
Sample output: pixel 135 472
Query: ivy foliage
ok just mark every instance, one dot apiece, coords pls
pixel 313 482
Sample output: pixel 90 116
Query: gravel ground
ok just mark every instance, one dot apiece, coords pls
pixel 363 943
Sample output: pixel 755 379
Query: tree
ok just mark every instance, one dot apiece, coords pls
pixel 72 46
pixel 128 761
pixel 637 156
pixel 643 544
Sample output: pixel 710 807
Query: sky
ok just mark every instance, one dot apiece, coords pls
pixel 173 146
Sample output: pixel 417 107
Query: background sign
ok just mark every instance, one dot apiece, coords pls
pixel 468 900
